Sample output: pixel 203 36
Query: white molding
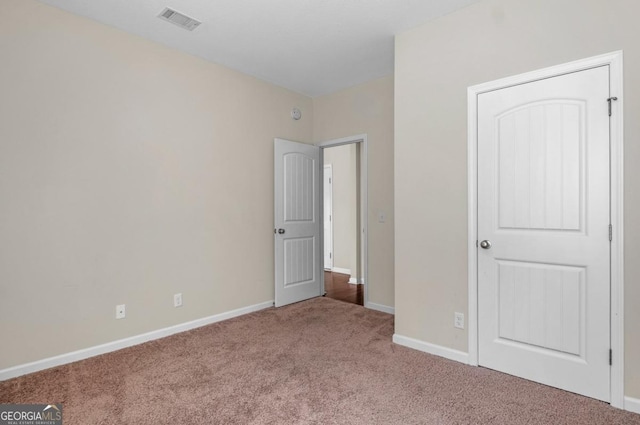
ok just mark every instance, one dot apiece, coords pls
pixel 617 220
pixel 341 270
pixel 330 199
pixel 472 224
pixel 632 404
pixel 436 350
pixel 380 307
pixel 615 62
pixel 553 71
pixel 97 350
pixel 353 281
pixel 343 141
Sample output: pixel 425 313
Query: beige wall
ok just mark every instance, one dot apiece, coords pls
pixel 435 64
pixel 345 206
pixel 368 108
pixel 128 172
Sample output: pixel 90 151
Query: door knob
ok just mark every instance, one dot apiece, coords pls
pixel 281 231
pixel 485 244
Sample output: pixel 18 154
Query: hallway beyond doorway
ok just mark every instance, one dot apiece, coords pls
pixel 337 287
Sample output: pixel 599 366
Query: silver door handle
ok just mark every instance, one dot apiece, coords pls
pixel 485 244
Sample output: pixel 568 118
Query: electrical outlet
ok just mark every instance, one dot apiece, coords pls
pixel 458 320
pixel 120 312
pixel 177 300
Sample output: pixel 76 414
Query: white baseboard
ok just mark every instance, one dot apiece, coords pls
pixel 632 404
pixel 341 270
pixel 74 356
pixel 355 281
pixel 380 307
pixel 436 350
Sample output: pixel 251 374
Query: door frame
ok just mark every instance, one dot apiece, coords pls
pixel 615 62
pixel 361 139
pixel 324 248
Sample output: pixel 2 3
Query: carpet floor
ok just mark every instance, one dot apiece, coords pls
pixel 320 361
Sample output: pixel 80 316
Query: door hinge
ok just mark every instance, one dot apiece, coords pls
pixel 610 233
pixel 329 180
pixel 329 255
pixel 609 100
pixel 610 357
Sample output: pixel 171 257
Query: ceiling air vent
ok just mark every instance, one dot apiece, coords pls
pixel 183 21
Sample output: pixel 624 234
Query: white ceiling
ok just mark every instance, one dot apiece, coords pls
pixel 313 47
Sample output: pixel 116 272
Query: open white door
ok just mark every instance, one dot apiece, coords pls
pixel 297 222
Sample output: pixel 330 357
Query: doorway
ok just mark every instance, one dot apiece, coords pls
pixel 341 210
pixel 298 218
pixel 345 217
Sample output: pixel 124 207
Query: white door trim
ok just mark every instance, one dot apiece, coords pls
pixel 364 233
pixel 615 62
pixel 328 167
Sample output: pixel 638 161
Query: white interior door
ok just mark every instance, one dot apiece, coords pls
pixel 543 205
pixel 297 222
pixel 328 216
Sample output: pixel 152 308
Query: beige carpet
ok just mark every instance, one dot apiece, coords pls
pixel 317 362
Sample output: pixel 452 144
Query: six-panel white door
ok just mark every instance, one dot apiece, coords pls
pixel 543 206
pixel 297 222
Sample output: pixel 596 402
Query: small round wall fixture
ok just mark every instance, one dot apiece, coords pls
pixel 296 114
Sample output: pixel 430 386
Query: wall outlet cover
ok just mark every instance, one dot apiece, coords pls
pixel 120 311
pixel 458 320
